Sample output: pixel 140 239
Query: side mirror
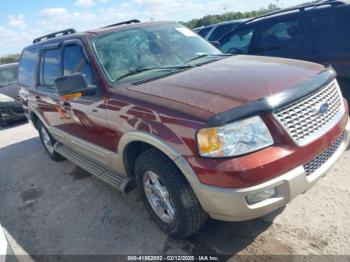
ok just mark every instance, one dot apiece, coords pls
pixel 216 44
pixel 72 84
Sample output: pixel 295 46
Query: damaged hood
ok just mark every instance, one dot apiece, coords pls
pixel 228 83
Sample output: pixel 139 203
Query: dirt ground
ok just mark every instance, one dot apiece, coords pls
pixel 56 208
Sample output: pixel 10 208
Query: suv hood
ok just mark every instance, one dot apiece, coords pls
pixel 228 83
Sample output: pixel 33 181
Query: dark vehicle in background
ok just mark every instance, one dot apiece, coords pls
pixel 214 32
pixel 10 104
pixel 316 32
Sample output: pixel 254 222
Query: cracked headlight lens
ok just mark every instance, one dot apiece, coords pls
pixel 238 138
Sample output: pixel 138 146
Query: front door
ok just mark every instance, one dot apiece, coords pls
pixel 85 116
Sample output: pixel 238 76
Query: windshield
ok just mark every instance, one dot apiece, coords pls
pixel 141 53
pixel 8 76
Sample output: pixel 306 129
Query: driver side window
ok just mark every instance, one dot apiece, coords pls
pixel 74 62
pixel 237 42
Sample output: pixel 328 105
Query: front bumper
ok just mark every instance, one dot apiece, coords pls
pixel 231 205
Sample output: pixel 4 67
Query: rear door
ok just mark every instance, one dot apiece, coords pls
pixel 284 36
pixel 46 98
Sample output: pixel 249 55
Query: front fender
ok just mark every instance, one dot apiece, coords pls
pixel 168 150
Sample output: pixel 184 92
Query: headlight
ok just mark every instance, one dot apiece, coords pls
pixel 5 99
pixel 234 139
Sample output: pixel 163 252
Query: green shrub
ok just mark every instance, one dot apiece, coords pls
pixel 9 59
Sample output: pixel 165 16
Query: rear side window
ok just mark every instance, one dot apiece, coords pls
pixel 50 67
pixel 203 32
pixel 221 30
pixel 278 35
pixel 331 34
pixel 74 62
pixel 27 67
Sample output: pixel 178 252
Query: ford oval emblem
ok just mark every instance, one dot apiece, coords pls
pixel 322 108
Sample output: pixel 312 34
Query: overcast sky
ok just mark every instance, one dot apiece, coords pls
pixel 22 21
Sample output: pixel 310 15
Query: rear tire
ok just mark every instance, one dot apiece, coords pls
pixel 181 212
pixel 48 142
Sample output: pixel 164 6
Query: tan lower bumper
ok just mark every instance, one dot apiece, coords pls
pixel 231 204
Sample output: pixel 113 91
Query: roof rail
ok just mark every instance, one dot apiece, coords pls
pixel 300 8
pixel 123 23
pixel 55 34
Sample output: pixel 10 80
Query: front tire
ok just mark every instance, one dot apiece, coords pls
pixel 167 195
pixel 48 143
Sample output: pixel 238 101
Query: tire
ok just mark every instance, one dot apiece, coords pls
pixel 188 216
pixel 48 142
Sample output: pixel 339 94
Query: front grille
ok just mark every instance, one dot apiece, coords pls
pixel 322 158
pixel 301 118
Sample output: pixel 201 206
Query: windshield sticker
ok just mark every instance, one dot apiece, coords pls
pixel 185 31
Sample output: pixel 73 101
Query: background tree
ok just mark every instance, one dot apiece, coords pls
pixel 214 19
pixel 9 59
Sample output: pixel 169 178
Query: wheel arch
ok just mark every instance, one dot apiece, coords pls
pixel 132 144
pixel 150 140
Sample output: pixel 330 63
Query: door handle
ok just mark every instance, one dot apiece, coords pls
pixel 67 106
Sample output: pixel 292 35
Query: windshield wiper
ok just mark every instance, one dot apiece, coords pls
pixel 144 69
pixel 206 55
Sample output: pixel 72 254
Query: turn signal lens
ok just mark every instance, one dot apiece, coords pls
pixel 208 141
pixel 71 96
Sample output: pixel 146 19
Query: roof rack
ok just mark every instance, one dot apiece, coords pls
pixel 300 8
pixel 53 35
pixel 123 23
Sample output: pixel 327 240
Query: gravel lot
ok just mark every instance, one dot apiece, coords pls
pixel 55 208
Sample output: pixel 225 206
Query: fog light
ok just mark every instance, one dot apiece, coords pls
pixel 260 196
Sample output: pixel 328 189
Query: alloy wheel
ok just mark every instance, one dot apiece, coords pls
pixel 46 140
pixel 158 197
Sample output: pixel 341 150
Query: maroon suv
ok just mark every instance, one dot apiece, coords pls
pixel 199 133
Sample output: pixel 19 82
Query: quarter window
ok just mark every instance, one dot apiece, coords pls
pixel 27 67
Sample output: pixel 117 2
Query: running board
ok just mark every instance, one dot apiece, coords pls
pixel 118 181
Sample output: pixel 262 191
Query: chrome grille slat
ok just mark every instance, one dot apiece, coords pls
pixel 322 158
pixel 300 119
